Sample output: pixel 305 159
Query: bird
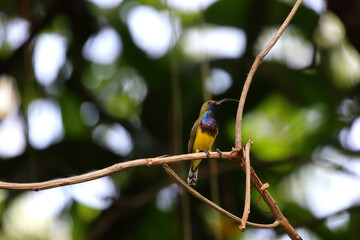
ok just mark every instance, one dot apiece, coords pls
pixel 203 134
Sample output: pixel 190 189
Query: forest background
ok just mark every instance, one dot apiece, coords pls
pixel 87 84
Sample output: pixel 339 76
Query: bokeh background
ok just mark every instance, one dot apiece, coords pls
pixel 87 84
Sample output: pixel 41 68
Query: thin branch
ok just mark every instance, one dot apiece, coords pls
pixel 253 69
pixel 213 205
pixel 37 186
pixel 247 193
pixel 274 208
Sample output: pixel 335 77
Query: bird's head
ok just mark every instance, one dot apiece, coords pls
pixel 213 106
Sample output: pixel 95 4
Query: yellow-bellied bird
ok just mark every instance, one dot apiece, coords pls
pixel 203 135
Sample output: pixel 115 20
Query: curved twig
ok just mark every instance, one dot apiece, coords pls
pixel 253 69
pixel 213 205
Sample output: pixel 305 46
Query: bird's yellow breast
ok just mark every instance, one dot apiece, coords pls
pixel 203 141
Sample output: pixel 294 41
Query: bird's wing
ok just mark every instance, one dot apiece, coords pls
pixel 193 135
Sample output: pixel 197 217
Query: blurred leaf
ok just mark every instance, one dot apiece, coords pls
pixel 279 129
pixel 228 13
pixel 86 213
pixel 70 107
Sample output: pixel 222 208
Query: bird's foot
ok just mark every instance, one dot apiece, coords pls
pixel 219 152
pixel 207 153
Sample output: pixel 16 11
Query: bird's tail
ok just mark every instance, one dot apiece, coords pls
pixel 193 173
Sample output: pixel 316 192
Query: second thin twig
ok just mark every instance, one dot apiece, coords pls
pixel 213 205
pixel 247 192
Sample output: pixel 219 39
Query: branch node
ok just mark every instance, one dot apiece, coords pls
pixel 261 57
pixel 149 163
pixel 262 189
pixel 234 149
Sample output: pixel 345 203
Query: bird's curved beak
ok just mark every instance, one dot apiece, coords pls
pixel 226 100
